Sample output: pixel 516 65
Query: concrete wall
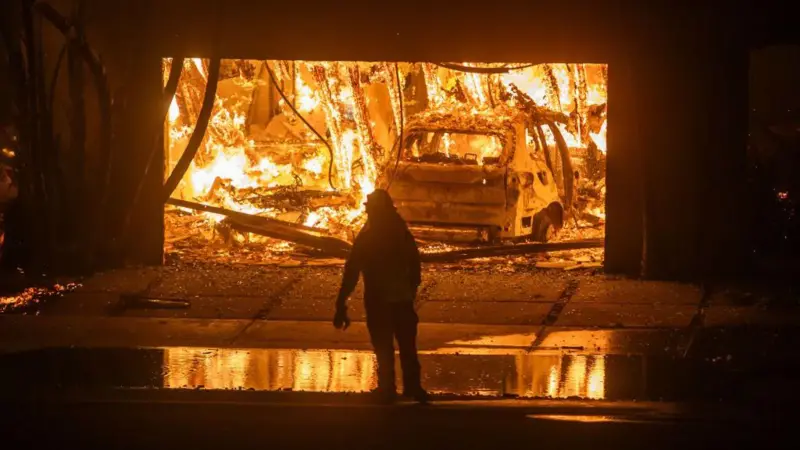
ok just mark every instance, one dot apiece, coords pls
pixel 677 95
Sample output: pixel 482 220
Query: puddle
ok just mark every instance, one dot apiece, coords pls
pixel 558 376
pixel 548 374
pixel 581 364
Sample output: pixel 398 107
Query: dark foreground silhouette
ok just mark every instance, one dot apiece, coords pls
pixel 386 254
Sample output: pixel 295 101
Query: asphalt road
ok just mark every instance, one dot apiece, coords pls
pixel 218 424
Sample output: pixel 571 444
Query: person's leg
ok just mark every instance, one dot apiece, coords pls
pixel 379 325
pixel 405 322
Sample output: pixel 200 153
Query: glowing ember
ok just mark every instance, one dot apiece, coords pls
pixel 34 295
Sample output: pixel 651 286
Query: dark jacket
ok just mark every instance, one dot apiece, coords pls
pixel 386 254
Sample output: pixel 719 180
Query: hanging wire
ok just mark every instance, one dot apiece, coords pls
pixel 300 116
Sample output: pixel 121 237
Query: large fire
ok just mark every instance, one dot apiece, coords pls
pixel 262 153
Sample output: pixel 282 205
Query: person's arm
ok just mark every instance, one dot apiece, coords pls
pixel 352 269
pixel 415 266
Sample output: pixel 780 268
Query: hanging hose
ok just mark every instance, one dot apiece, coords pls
pixel 402 125
pixel 300 116
pixel 482 70
pixel 198 134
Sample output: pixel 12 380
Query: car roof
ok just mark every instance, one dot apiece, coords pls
pixel 472 120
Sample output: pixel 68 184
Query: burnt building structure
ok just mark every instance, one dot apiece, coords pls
pixel 677 88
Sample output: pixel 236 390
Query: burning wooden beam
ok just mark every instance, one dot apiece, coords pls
pixel 581 97
pixel 433 87
pixel 273 228
pixel 507 250
pixel 237 215
pixel 395 94
pixel 553 90
pixel 329 246
pixel 189 97
pixel 333 116
pixel 360 113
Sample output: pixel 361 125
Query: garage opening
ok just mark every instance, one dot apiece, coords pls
pixel 477 156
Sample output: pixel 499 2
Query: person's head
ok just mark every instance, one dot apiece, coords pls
pixel 379 203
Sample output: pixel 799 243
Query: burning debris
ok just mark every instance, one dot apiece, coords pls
pixel 34 295
pixel 292 148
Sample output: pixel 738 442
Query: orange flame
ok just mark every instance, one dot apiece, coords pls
pixel 255 148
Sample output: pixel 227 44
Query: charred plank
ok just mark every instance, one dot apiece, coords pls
pixel 506 250
pixel 328 245
pixel 242 217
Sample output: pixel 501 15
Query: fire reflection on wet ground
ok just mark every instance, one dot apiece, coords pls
pixel 589 418
pixel 566 364
pixel 531 375
pixel 269 369
pixel 490 365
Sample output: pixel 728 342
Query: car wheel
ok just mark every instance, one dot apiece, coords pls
pixel 543 229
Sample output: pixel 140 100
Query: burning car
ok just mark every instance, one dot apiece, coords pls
pixel 479 176
pixel 292 148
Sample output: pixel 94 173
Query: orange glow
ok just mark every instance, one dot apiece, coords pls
pixel 552 382
pixel 198 63
pixel 600 138
pixel 577 418
pixel 298 370
pixel 596 386
pixel 556 375
pixel 174 111
pixel 257 151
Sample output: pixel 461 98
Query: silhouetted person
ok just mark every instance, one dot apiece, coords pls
pixel 386 254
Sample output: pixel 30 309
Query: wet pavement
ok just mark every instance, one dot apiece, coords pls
pixel 251 356
pixel 527 375
pixel 489 296
pixel 226 424
pixel 726 365
pixel 292 398
pixel 563 388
